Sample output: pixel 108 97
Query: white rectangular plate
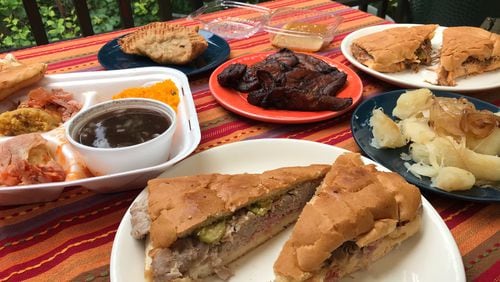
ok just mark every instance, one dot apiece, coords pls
pixel 91 88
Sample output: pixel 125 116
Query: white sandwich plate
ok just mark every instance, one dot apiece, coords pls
pixel 426 77
pixel 412 261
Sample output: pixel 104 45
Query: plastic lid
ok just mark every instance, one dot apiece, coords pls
pixel 231 27
pixel 290 22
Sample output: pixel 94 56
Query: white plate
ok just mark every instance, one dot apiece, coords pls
pixel 430 255
pixel 409 78
pixel 94 87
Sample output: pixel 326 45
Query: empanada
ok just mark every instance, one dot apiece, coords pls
pixel 165 43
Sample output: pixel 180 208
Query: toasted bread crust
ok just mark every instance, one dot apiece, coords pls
pixel 390 48
pixel 461 43
pixel 165 43
pixel 351 200
pixel 178 206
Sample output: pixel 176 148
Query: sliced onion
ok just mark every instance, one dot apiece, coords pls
pixel 446 113
pixel 479 124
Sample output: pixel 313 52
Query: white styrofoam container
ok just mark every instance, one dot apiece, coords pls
pixel 94 87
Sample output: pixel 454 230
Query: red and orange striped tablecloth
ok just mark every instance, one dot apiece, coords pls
pixel 71 238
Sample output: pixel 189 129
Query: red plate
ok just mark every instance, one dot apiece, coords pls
pixel 236 101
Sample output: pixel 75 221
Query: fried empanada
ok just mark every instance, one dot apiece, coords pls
pixel 165 43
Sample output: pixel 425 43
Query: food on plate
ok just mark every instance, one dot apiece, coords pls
pixel 386 133
pixel 196 225
pixel 122 128
pixel 395 49
pixel 42 111
pixel 451 178
pixel 310 41
pixel 451 142
pixel 357 216
pixel 412 102
pixel 27 120
pixel 289 81
pixel 165 91
pixel 466 51
pixel 489 145
pixel 27 159
pixel 15 75
pixel 165 43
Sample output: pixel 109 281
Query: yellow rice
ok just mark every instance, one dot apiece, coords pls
pixel 164 91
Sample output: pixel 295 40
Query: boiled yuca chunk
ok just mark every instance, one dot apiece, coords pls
pixel 489 145
pixel 453 179
pixel 412 102
pixel 417 130
pixel 386 133
pixel 484 167
pixel 442 151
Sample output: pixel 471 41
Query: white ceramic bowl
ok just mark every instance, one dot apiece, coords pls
pixel 104 161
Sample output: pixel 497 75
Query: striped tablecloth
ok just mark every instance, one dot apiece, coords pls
pixel 71 238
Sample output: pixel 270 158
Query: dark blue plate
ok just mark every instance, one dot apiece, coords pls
pixel 111 57
pixel 390 158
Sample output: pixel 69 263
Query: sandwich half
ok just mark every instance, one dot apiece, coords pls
pixel 466 51
pixel 356 217
pixel 196 225
pixel 395 49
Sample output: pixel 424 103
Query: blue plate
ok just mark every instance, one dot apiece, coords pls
pixel 390 158
pixel 111 57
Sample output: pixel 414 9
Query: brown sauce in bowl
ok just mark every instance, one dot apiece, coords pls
pixel 122 128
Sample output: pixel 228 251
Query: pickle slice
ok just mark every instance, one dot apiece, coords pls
pixel 212 233
pixel 260 208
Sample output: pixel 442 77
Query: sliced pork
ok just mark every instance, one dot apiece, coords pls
pixel 26 159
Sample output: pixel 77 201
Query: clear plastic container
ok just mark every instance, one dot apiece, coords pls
pixel 231 27
pixel 294 28
pixel 302 29
pixel 298 29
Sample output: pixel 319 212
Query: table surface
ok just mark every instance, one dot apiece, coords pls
pixel 71 238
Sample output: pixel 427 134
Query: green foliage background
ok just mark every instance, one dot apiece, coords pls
pixel 61 23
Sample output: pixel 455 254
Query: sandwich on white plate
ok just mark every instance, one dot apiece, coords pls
pixel 350 215
pixel 395 49
pixel 357 216
pixel 467 51
pixel 195 225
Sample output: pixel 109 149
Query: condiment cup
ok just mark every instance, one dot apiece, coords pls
pixel 302 29
pixel 104 161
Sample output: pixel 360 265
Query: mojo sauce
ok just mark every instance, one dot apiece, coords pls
pixel 122 128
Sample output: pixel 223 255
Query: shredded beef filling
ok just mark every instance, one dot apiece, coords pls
pixel 476 61
pixel 423 54
pixel 177 261
pixel 360 54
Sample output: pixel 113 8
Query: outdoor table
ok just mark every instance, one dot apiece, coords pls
pixel 71 238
